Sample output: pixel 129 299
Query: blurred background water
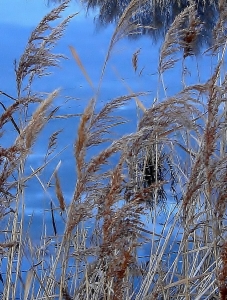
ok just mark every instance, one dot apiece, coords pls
pixel 17 20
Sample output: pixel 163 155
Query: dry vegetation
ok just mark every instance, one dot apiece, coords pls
pixel 165 192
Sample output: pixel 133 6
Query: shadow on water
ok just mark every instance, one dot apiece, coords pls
pixel 155 18
pixel 161 251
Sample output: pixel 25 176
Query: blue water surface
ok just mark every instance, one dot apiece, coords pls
pixel 17 20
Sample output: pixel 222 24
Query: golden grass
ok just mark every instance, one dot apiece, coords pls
pixel 165 192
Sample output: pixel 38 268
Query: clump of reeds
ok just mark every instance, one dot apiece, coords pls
pixel 161 188
pixel 222 276
pixel 34 62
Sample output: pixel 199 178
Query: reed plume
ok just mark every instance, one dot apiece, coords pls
pixel 147 216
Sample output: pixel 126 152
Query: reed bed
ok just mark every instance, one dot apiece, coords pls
pixel 147 216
